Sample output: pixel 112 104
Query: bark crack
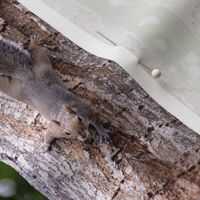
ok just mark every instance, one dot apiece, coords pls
pixel 117 191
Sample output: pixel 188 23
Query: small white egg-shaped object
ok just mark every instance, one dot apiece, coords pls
pixel 156 73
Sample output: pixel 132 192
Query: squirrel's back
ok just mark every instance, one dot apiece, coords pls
pixel 13 58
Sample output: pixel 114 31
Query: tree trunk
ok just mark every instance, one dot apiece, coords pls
pixel 153 155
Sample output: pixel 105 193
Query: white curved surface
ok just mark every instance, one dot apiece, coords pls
pixel 88 39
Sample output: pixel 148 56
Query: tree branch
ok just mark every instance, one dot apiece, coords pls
pixel 153 155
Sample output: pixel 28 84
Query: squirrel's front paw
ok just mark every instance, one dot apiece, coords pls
pixel 103 132
pixel 104 136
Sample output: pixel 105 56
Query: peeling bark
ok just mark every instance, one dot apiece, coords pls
pixel 153 155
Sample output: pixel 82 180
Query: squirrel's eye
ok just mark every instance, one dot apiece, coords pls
pixel 66 133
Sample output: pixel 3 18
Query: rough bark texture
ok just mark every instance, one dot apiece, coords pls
pixel 153 155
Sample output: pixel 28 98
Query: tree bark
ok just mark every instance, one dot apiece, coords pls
pixel 153 155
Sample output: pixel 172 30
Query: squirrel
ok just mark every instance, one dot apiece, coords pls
pixel 28 76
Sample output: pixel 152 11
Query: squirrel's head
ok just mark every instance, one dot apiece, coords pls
pixel 72 124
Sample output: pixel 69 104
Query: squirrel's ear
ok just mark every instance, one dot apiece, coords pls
pixel 72 110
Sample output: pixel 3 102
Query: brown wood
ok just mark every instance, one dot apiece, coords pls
pixel 153 155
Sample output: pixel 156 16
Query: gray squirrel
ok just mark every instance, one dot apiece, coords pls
pixel 28 76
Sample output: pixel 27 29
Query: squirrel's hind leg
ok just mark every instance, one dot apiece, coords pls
pixel 40 60
pixel 35 42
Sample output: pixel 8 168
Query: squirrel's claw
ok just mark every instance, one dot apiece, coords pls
pixel 34 41
pixel 104 136
pixel 103 133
